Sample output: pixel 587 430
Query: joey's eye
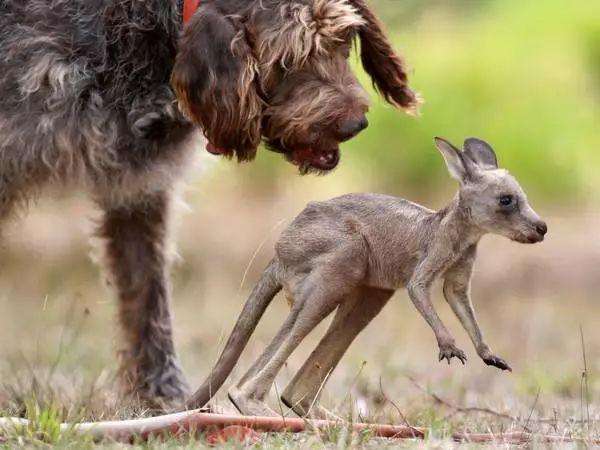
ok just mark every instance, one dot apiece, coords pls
pixel 506 200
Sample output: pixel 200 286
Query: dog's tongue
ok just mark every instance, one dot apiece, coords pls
pixel 327 159
pixel 210 148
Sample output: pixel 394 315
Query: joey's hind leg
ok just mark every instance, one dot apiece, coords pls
pixel 302 394
pixel 315 301
pixel 136 237
pixel 253 404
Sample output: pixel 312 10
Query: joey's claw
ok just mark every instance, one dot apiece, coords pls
pixel 497 362
pixel 449 351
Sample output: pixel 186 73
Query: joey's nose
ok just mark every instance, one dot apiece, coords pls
pixel 541 228
pixel 351 127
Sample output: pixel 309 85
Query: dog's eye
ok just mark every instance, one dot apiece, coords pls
pixel 506 200
pixel 345 50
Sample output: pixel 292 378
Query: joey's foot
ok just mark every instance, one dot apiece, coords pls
pixel 311 411
pixel 448 350
pixel 321 413
pixel 249 406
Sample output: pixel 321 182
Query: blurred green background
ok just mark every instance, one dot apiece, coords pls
pixel 524 75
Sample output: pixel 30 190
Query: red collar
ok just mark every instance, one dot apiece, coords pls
pixel 189 8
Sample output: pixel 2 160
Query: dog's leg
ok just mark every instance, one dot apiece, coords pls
pixel 351 318
pixel 136 237
pixel 315 302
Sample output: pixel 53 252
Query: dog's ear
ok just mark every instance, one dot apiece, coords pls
pixel 380 61
pixel 215 81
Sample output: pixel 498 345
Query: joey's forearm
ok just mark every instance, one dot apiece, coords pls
pixel 420 297
pixel 461 305
pixel 459 300
pixel 419 294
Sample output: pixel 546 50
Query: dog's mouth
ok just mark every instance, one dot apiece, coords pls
pixel 319 159
pixel 309 158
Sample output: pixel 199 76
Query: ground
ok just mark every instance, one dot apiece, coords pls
pixel 58 331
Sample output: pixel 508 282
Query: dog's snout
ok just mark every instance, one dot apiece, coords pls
pixel 351 127
pixel 541 228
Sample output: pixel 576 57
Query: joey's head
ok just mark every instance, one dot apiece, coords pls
pixel 495 200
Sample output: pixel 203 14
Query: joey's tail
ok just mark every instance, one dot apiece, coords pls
pixel 262 294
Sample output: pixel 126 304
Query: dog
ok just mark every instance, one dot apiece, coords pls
pixel 351 253
pixel 110 96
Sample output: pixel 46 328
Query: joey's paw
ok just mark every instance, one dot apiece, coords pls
pixel 449 350
pixel 492 360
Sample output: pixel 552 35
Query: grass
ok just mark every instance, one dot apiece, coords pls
pixel 439 417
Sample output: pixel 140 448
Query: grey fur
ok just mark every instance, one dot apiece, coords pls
pixel 351 253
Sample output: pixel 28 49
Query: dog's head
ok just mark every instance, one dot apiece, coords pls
pixel 278 70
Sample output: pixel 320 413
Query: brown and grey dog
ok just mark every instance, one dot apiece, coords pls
pixel 88 97
pixel 351 253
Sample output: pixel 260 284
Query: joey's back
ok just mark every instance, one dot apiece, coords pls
pixel 386 233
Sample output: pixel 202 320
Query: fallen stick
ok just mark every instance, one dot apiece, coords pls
pixel 517 438
pixel 196 421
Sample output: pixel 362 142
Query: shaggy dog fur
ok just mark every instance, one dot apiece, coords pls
pixel 89 93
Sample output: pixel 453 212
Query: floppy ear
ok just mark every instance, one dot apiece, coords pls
pixel 454 159
pixel 214 79
pixel 380 61
pixel 480 153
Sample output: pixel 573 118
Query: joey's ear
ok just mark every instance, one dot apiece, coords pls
pixel 380 61
pixel 454 159
pixel 214 79
pixel 480 153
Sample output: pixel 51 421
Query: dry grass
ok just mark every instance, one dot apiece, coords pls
pixel 58 330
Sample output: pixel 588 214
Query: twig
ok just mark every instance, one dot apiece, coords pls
pixel 537 396
pixel 352 384
pixel 321 386
pixel 584 381
pixel 402 416
pixel 257 251
pixel 461 409
pixel 279 402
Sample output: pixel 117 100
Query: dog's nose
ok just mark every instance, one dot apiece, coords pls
pixel 541 228
pixel 351 127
